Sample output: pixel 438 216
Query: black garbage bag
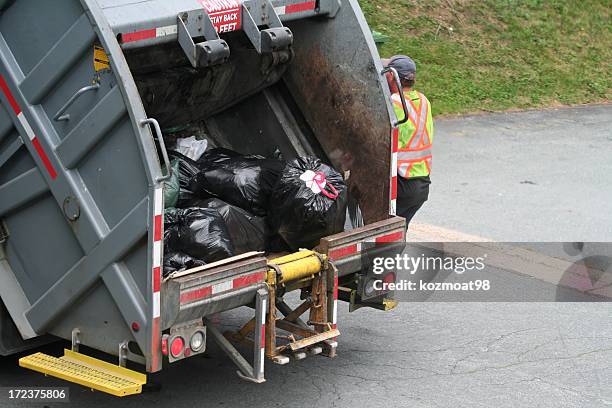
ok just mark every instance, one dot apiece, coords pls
pixel 199 232
pixel 308 203
pixel 184 197
pixel 276 243
pixel 187 167
pixel 171 220
pixel 176 261
pixel 244 181
pixel 218 155
pixel 187 170
pixel 248 232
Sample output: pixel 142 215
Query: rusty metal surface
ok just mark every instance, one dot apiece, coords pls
pixel 362 233
pixel 335 80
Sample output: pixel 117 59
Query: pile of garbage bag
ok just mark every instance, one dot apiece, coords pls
pixel 223 203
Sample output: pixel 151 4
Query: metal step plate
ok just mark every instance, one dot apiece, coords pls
pixel 87 371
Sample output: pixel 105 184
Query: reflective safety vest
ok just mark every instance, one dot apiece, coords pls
pixel 415 136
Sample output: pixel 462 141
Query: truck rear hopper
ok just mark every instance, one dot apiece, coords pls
pixel 82 153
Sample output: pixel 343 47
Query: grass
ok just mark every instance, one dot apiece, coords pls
pixel 491 55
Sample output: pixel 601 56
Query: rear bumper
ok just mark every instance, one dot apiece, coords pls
pixel 344 249
pixel 211 289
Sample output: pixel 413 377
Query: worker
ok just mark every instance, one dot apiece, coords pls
pixel 414 139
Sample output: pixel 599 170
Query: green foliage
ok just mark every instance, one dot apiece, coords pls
pixel 477 55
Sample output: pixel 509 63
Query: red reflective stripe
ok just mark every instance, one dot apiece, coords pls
pixel 206 291
pixel 157 228
pixel 396 236
pixel 35 142
pixel 44 158
pixel 195 294
pixel 342 252
pixel 156 279
pixel 138 35
pixel 394 187
pixel 9 96
pixel 263 335
pixel 249 279
pixel 395 142
pixel 296 8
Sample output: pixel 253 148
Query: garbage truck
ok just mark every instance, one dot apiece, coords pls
pixel 89 89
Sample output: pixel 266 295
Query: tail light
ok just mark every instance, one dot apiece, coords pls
pixel 177 346
pixel 184 341
pixel 197 341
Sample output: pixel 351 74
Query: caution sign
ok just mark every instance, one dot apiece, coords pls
pixel 224 14
pixel 100 59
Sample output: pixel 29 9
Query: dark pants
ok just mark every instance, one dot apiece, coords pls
pixel 411 195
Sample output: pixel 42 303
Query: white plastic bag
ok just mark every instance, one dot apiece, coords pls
pixel 191 147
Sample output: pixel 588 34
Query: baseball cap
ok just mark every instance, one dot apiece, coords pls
pixel 404 65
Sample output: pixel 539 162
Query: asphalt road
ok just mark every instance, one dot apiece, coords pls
pixel 448 354
pixel 420 355
pixel 526 176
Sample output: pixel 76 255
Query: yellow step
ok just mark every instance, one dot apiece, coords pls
pixel 87 371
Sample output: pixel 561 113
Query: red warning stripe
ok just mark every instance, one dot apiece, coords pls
pixel 196 294
pixel 342 252
pixel 156 279
pixel 9 96
pixel 157 228
pixel 263 335
pixel 396 236
pixel 236 283
pixel 44 158
pixel 395 142
pixel 351 249
pixel 296 8
pixel 138 35
pixel 156 341
pixel 24 123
